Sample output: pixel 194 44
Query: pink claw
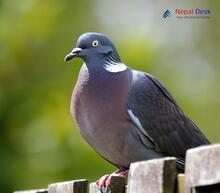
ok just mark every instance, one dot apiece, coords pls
pixel 104 181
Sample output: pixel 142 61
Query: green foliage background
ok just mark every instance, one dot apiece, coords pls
pixel 39 141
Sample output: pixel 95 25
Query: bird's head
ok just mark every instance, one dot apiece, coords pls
pixel 96 49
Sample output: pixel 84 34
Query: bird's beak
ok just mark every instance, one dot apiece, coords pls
pixel 74 53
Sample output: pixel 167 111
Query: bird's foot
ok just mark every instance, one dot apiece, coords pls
pixel 104 181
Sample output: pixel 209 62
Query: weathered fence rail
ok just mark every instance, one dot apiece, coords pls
pixel 202 175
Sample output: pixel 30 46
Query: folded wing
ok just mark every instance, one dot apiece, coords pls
pixel 160 120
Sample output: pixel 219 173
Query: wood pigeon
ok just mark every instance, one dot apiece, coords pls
pixel 124 114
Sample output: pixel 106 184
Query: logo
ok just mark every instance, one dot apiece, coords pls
pixel 187 13
pixel 167 14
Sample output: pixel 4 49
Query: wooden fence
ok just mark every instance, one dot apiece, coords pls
pixel 202 175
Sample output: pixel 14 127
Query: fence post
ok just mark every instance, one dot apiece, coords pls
pixel 117 185
pixel 75 186
pixel 153 176
pixel 180 183
pixel 202 172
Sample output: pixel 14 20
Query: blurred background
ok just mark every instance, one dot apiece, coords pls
pixel 39 141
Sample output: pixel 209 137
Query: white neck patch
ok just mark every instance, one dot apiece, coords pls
pixel 116 67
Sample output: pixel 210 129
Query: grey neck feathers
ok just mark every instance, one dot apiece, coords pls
pixel 113 64
pixel 108 63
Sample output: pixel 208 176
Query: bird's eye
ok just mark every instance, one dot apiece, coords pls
pixel 95 43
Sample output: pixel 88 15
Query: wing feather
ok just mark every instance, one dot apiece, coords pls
pixel 163 122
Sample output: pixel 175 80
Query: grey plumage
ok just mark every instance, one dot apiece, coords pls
pixel 124 114
pixel 171 130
